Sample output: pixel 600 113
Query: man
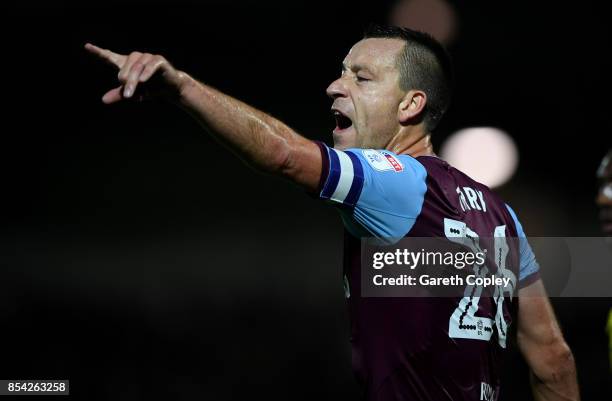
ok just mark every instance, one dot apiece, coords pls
pixel 604 196
pixel 604 201
pixel 386 181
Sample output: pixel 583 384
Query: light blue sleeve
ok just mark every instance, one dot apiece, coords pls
pixel 528 263
pixel 381 193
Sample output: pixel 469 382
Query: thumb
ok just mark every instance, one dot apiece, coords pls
pixel 113 95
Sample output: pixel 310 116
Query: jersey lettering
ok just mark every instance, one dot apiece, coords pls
pixel 474 198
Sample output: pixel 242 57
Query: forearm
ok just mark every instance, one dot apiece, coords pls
pixel 553 371
pixel 556 379
pixel 262 141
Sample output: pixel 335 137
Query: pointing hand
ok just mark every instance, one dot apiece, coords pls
pixel 149 74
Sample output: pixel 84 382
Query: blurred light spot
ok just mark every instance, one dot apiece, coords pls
pixel 435 17
pixel 486 154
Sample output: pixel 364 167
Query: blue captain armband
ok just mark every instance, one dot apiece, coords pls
pixel 345 178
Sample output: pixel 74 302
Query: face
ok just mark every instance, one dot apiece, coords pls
pixel 604 197
pixel 367 95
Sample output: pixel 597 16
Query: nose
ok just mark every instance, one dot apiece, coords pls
pixel 336 89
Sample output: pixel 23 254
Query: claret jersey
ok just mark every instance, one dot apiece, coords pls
pixel 423 348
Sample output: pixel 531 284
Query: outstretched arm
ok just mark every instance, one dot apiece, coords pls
pixel 553 371
pixel 262 141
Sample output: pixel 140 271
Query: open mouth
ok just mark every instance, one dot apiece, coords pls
pixel 342 121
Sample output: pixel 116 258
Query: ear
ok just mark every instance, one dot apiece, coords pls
pixel 411 107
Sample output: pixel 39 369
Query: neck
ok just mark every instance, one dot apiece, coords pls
pixel 415 143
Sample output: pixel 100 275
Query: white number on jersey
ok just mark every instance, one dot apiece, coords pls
pixel 464 323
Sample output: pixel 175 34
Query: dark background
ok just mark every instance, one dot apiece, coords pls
pixel 141 260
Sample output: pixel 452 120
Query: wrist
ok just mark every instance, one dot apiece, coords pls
pixel 186 86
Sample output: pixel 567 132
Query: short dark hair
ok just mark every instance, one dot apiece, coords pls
pixel 425 65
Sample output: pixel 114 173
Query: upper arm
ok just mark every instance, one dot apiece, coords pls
pixel 378 193
pixel 528 266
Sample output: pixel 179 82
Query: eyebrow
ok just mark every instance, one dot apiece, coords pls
pixel 357 68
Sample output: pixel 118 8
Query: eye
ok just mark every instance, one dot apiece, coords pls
pixel 361 78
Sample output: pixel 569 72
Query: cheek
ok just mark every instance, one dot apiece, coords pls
pixel 373 110
pixel 383 104
pixel 382 118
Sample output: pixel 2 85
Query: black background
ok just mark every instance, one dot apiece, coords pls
pixel 142 260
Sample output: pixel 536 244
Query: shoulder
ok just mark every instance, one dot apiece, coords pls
pixel 382 160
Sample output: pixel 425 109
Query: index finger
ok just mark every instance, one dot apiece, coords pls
pixel 116 59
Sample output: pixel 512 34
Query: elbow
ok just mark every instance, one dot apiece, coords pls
pixel 279 157
pixel 282 150
pixel 269 151
pixel 559 364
